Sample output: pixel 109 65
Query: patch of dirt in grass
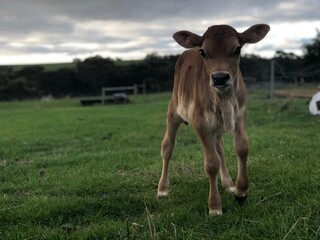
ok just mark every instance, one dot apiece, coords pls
pixel 296 93
pixel 3 163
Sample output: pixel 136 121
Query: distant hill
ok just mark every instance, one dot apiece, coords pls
pixel 55 66
pixel 47 67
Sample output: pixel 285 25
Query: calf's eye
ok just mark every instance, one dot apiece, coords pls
pixel 202 53
pixel 237 52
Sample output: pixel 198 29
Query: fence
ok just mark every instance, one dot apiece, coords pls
pixel 135 89
pixel 299 88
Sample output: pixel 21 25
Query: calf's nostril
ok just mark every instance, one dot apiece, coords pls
pixel 220 78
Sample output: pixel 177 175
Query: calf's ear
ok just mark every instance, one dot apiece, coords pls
pixel 255 33
pixel 187 39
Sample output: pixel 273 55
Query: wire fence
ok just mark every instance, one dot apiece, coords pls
pixel 300 82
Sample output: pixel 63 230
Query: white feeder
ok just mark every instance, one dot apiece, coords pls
pixel 314 105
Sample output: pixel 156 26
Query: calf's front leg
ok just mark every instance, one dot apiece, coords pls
pixel 212 166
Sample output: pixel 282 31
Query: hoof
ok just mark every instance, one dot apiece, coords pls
pixel 240 199
pixel 163 193
pixel 215 212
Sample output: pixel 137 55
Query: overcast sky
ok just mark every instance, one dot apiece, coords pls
pixel 44 31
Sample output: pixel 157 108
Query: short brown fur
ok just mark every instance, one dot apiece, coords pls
pixel 211 108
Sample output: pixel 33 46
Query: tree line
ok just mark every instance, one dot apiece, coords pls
pixel 89 75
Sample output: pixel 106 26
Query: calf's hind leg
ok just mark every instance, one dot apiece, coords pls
pixel 168 143
pixel 241 148
pixel 225 177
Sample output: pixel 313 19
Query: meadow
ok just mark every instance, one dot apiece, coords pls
pixel 72 172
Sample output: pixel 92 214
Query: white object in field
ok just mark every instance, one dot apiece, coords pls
pixel 314 105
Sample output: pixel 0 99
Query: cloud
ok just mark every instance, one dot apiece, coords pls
pixel 131 29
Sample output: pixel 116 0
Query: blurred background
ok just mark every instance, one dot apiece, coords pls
pixel 74 48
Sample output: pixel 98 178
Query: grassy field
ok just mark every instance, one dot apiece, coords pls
pixel 71 172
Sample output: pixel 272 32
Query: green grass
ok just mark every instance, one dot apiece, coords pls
pixel 71 172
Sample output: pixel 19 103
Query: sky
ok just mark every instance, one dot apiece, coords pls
pixel 54 31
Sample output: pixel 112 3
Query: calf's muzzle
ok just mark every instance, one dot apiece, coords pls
pixel 220 79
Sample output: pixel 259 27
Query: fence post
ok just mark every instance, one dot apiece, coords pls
pixel 103 96
pixel 144 87
pixel 272 63
pixel 135 89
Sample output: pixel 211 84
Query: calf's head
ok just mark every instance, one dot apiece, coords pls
pixel 220 48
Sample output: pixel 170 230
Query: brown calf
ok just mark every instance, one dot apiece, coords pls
pixel 209 93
